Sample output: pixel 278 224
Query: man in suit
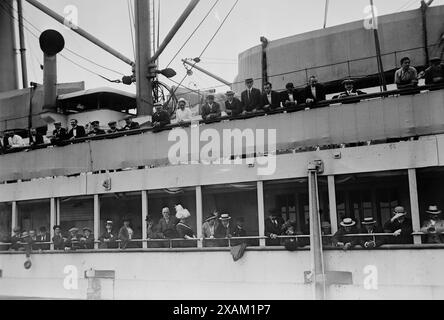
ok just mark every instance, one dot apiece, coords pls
pixel 273 228
pixel 224 230
pixel 108 238
pixel 407 76
pixel 126 234
pixel 340 238
pixel 233 106
pixel 58 239
pixel 370 227
pixel 291 98
pixel 314 92
pixel 350 91
pixel 435 73
pixel 166 227
pixel 271 100
pixel 160 118
pixel 400 226
pixel 15 239
pixel 43 237
pixel 130 124
pixel 433 227
pixel 96 131
pixel 211 110
pixel 76 131
pixel 112 127
pixel 59 134
pixel 87 239
pixel 73 240
pixel 35 138
pixel 251 97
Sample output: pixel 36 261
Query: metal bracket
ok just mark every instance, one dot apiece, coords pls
pixel 316 165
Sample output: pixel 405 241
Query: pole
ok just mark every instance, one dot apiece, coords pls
pixel 22 45
pixel 326 13
pixel 143 58
pixel 81 32
pixel 424 7
pixel 225 82
pixel 317 261
pixel 176 27
pixel 382 81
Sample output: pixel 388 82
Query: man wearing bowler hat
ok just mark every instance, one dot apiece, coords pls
pixel 350 91
pixel 433 227
pixel 130 124
pixel 273 228
pixel 59 134
pixel 160 118
pixel 108 239
pixel 233 106
pixel 112 127
pixel 341 238
pixel 370 226
pixel 87 239
pixel 400 226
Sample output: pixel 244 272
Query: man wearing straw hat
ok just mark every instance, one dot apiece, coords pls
pixel 370 227
pixel 224 229
pixel 341 240
pixel 433 226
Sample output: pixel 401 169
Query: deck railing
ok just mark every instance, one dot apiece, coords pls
pixel 229 241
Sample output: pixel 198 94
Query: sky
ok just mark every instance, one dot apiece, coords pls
pixel 109 20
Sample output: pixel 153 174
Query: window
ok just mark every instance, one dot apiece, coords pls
pixel 291 199
pixel 33 215
pixel 238 200
pixel 76 212
pixel 118 206
pixel 374 195
pixel 5 221
pixel 159 199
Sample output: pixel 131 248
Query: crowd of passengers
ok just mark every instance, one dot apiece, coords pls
pixel 219 230
pixel 251 101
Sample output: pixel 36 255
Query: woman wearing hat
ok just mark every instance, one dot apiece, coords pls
pixel 183 228
pixel 433 227
pixel 183 113
pixel 209 230
pixel 341 240
pixel 125 234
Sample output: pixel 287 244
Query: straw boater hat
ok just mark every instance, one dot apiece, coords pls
pixel 74 230
pixel 347 222
pixel 348 81
pixel 368 221
pixel 182 213
pixel 210 217
pixel 433 210
pixel 109 223
pixel 230 93
pixel 399 210
pixel 224 217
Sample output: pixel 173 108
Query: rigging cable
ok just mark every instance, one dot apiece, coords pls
pixel 66 48
pixel 208 44
pixel 192 34
pixel 131 22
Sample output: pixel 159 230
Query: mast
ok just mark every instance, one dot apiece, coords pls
pixel 382 81
pixel 143 57
pixel 22 44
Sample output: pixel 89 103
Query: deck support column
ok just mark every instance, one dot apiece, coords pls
pixel 144 217
pixel 261 212
pixel 414 205
pixel 96 220
pixel 52 219
pixel 199 215
pixel 332 204
pixel 14 218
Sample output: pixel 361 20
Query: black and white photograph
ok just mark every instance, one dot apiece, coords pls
pixel 248 151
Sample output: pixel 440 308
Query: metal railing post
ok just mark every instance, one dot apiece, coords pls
pixel 332 204
pixel 414 205
pixel 144 216
pixel 199 214
pixel 96 220
pixel 261 212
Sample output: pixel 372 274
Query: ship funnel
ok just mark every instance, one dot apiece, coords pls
pixel 51 43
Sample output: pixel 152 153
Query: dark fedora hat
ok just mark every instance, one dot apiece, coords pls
pixel 348 81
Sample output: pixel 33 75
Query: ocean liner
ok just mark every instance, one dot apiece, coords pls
pixel 344 158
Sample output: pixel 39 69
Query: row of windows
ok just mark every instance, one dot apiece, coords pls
pixel 357 196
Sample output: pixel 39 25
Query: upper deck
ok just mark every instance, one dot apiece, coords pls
pixel 377 117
